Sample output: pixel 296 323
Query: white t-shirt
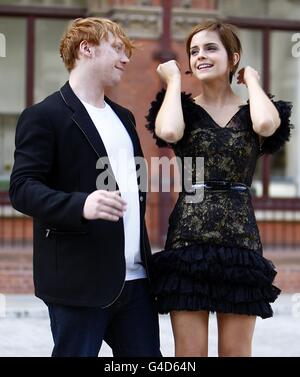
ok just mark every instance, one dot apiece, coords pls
pixel 119 149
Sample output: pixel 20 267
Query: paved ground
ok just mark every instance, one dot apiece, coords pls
pixel 25 331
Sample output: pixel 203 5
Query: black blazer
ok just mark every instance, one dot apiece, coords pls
pixel 75 261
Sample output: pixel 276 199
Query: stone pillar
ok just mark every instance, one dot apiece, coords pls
pixel 139 21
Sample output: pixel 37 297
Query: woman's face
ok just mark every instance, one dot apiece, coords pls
pixel 208 56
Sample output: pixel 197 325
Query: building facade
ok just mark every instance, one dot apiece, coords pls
pixel 31 69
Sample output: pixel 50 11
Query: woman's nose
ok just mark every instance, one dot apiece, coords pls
pixel 201 55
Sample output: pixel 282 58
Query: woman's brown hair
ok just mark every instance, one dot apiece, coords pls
pixel 228 36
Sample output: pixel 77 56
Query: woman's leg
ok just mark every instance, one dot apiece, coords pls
pixel 190 330
pixel 235 334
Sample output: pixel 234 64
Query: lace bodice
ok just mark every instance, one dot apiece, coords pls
pixel 230 154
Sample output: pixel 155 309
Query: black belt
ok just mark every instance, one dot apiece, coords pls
pixel 220 186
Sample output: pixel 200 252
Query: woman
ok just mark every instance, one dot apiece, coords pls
pixel 212 261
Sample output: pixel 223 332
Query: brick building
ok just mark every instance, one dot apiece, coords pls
pixel 32 69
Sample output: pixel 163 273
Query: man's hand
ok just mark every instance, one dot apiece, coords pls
pixel 104 205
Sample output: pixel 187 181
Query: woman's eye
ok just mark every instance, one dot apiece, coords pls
pixel 194 52
pixel 211 48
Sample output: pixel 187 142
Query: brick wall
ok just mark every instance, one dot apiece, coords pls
pixel 16 261
pixel 16 270
pixel 141 83
pixel 15 230
pixel 279 235
pixel 288 269
pixel 136 92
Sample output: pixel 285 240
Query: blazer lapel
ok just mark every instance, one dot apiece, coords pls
pixel 82 119
pixel 84 122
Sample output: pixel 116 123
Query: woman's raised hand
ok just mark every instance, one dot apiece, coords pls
pixel 246 74
pixel 169 71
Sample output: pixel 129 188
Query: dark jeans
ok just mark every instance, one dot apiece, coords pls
pixel 129 326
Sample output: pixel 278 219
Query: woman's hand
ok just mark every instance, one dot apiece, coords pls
pixel 169 71
pixel 264 115
pixel 247 74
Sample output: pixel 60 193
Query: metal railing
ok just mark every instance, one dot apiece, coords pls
pixel 278 221
pixel 15 228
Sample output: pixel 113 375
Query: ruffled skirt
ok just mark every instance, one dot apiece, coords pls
pixel 214 278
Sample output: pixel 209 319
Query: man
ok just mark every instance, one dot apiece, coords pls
pixel 90 242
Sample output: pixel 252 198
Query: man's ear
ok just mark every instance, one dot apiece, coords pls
pixel 85 48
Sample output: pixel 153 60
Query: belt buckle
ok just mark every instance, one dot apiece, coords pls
pixel 221 186
pixel 240 187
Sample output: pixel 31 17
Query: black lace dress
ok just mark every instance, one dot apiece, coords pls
pixel 212 258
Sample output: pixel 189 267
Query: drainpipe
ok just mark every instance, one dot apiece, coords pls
pixel 164 54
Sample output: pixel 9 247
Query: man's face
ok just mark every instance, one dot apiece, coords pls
pixel 109 61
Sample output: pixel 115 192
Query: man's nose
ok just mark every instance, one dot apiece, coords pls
pixel 125 59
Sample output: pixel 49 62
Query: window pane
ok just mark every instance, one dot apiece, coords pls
pixel 50 72
pixel 57 3
pixel 252 55
pixel 12 93
pixel 7 137
pixel 285 84
pixel 12 67
pixel 280 9
pixel 252 47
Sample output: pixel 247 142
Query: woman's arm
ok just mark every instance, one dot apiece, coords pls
pixel 264 115
pixel 169 124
